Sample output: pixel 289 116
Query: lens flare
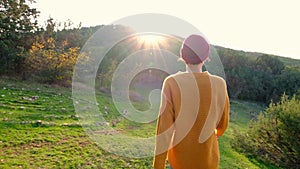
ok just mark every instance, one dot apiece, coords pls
pixel 150 40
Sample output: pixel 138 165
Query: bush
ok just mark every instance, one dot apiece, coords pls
pixel 275 136
pixel 51 63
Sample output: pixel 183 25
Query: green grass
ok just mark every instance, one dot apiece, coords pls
pixel 45 132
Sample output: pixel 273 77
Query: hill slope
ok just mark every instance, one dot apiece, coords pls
pixel 39 129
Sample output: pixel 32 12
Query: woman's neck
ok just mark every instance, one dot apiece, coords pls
pixel 194 68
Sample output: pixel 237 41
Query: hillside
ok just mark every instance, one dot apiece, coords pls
pixel 254 55
pixel 39 129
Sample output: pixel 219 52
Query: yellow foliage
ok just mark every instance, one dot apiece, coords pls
pixel 51 62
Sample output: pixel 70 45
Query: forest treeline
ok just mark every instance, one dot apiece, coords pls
pixel 259 77
pixel 48 53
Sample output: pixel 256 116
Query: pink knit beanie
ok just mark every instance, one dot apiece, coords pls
pixel 195 49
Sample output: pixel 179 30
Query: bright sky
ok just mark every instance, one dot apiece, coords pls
pixel 268 26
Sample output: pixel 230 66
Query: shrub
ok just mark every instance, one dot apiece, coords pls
pixel 275 136
pixel 51 63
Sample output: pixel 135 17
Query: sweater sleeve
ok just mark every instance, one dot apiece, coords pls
pixel 223 124
pixel 164 129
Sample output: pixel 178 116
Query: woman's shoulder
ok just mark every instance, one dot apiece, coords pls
pixel 217 80
pixel 217 77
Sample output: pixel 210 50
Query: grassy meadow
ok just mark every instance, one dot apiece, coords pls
pixel 40 129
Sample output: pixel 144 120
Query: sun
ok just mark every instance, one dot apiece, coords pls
pixel 150 40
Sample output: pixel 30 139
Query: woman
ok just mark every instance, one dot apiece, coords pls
pixel 194 112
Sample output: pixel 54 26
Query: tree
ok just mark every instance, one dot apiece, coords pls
pixel 289 81
pixel 269 64
pixel 17 23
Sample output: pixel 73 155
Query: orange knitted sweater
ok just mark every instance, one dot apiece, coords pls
pixel 194 111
